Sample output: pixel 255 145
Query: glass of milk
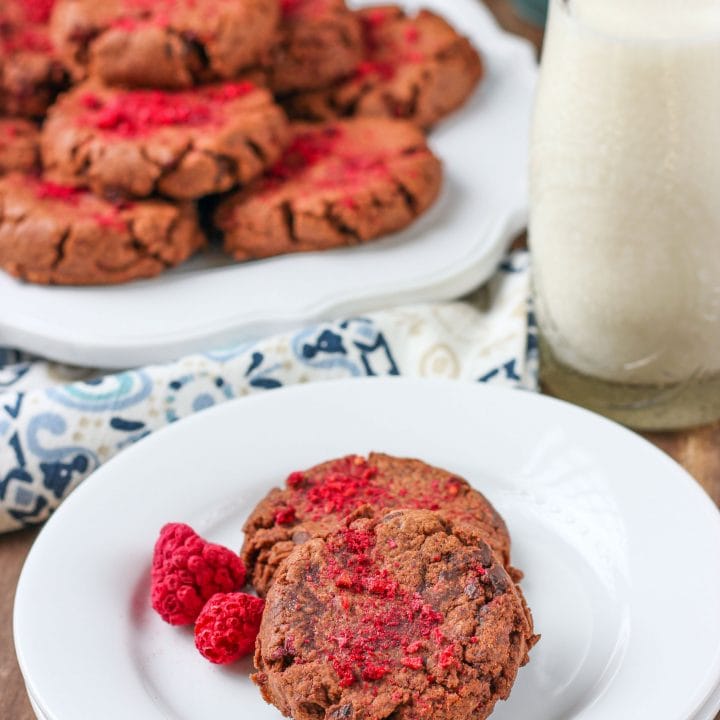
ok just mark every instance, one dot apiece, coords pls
pixel 625 208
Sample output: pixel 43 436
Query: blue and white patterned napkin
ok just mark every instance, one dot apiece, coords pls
pixel 58 423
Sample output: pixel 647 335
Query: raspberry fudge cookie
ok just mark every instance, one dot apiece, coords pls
pixel 182 144
pixel 19 145
pixel 313 502
pixel 30 73
pixel 320 42
pixel 163 43
pixel 51 234
pixel 407 616
pixel 338 184
pixel 418 68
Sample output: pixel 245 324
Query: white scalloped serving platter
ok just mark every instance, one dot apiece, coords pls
pixel 210 302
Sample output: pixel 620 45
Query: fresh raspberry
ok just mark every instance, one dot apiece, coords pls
pixel 187 571
pixel 227 626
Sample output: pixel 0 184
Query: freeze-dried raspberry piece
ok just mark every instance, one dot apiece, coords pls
pixel 187 571
pixel 227 627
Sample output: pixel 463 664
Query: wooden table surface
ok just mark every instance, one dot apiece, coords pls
pixel 697 450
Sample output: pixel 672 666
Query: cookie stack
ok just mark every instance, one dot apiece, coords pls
pixel 298 123
pixel 389 593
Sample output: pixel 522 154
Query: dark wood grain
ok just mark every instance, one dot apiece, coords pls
pixel 697 450
pixel 14 704
pixel 509 20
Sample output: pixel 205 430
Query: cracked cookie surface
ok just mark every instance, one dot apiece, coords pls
pixel 340 183
pixel 30 73
pixel 180 144
pixel 163 43
pixel 320 41
pixel 418 68
pixel 406 616
pixel 52 234
pixel 19 145
pixel 314 502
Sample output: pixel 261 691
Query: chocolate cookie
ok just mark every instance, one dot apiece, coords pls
pixel 30 73
pixel 418 68
pixel 19 145
pixel 182 144
pixel 320 42
pixel 341 183
pixel 56 235
pixel 407 616
pixel 163 43
pixel 313 503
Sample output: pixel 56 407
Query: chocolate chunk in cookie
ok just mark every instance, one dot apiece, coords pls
pixel 181 144
pixel 418 68
pixel 19 145
pixel 57 235
pixel 320 42
pixel 163 43
pixel 313 502
pixel 407 616
pixel 30 73
pixel 341 183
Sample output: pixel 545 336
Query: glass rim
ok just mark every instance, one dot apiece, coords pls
pixel 565 7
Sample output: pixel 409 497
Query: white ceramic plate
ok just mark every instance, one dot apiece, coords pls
pixel 619 545
pixel 210 302
pixel 711 709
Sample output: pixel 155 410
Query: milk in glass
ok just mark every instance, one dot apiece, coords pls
pixel 625 185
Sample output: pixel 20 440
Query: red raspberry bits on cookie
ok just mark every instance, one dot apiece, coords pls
pixel 38 11
pixel 183 145
pixel 416 67
pixel 163 43
pixel 386 616
pixel 227 627
pixel 187 571
pixel 319 43
pixel 56 234
pixel 30 73
pixel 314 501
pixel 337 184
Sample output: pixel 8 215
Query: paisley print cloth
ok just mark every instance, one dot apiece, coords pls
pixel 59 423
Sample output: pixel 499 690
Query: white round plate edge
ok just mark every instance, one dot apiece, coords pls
pixel 691 486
